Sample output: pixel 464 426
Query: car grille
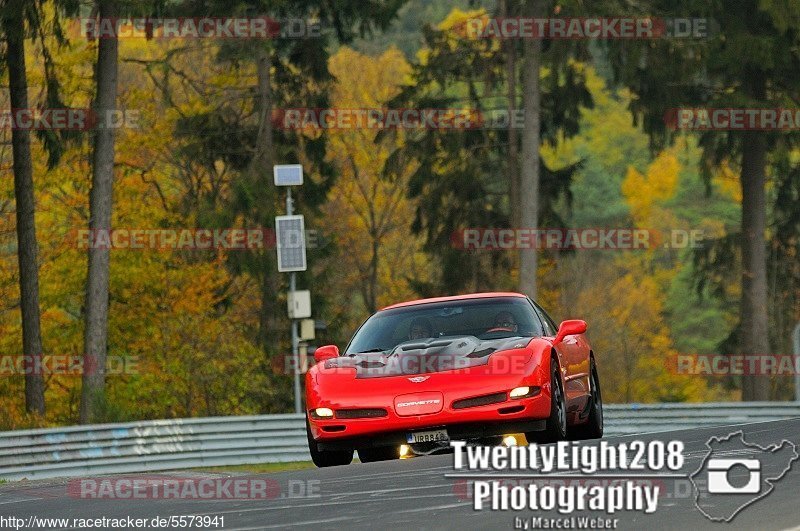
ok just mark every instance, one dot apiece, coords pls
pixel 484 400
pixel 360 413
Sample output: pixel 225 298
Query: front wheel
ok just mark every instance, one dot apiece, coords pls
pixel 556 426
pixel 593 429
pixel 326 458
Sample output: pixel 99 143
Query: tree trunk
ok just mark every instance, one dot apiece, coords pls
pixel 260 175
pixel 529 174
pixel 261 163
pixel 100 204
pixel 14 28
pixel 513 139
pixel 754 317
pixel 267 311
pixel 374 263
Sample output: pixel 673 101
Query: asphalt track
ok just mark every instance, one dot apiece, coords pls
pixel 415 494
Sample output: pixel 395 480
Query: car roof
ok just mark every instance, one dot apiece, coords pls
pixel 455 298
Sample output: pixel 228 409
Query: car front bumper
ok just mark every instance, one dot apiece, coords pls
pixel 510 416
pixel 457 432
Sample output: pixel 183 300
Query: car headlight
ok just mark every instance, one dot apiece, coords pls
pixel 519 392
pixel 524 392
pixel 323 412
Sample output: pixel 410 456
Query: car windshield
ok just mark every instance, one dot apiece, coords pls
pixel 484 318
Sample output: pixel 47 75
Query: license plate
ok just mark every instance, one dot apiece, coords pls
pixel 428 436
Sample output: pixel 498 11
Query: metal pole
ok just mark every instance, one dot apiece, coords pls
pixel 796 337
pixel 298 406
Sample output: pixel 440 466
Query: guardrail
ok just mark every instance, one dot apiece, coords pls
pixel 626 419
pixel 150 446
pixel 158 445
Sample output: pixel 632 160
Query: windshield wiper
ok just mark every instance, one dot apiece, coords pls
pixel 378 349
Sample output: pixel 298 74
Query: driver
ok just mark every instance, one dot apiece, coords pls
pixel 505 321
pixel 420 329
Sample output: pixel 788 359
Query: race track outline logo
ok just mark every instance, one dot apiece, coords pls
pixel 719 498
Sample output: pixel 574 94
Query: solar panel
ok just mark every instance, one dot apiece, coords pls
pixel 291 239
pixel 288 174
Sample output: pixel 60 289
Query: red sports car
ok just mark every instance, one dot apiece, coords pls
pixel 473 367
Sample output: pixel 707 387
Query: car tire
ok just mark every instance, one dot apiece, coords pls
pixel 326 458
pixel 556 425
pixel 593 428
pixel 381 453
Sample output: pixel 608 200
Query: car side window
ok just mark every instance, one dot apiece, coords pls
pixel 550 328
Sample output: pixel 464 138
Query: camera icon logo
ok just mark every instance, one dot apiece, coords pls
pixel 720 470
pixel 735 474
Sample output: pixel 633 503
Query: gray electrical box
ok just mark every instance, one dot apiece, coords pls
pixel 307 332
pixel 299 304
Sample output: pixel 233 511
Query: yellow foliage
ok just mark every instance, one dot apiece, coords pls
pixel 628 335
pixel 644 191
pixel 367 213
pixel 727 180
pixel 186 358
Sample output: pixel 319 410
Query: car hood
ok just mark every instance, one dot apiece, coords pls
pixel 427 356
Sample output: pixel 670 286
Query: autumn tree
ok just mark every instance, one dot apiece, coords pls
pixel 529 185
pixel 748 60
pixel 13 21
pixel 100 200
pixel 462 180
pixel 369 216
pixel 15 15
pixel 290 72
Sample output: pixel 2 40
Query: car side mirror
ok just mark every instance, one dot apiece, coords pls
pixel 326 352
pixel 570 327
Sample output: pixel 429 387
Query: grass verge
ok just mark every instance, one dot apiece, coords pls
pixel 263 468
